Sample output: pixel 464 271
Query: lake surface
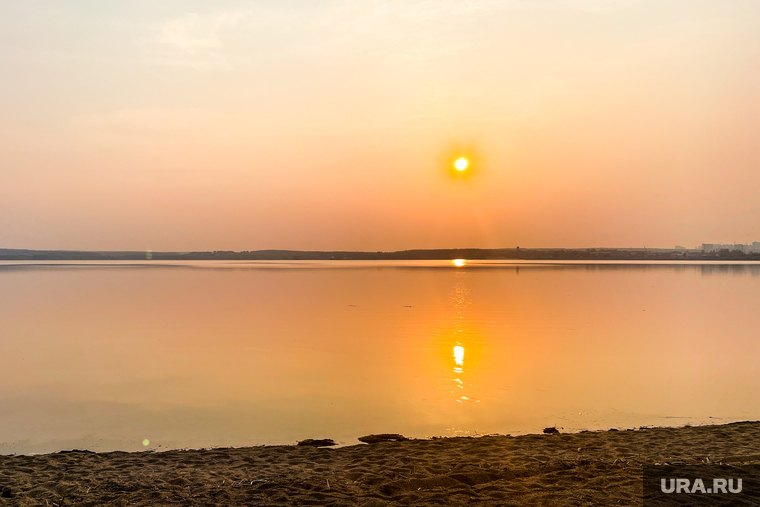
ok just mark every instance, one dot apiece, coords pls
pixel 105 355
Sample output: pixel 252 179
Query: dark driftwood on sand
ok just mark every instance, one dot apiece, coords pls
pixel 382 437
pixel 324 442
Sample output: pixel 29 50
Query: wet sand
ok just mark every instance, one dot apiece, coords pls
pixel 590 468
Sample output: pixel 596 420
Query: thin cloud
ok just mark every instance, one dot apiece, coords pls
pixel 192 32
pixel 599 5
pixel 400 30
pixel 196 41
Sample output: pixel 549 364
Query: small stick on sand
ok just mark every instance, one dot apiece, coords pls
pixel 328 483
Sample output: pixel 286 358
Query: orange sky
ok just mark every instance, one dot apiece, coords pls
pixel 181 125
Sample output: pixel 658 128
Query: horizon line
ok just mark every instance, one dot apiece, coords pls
pixel 516 248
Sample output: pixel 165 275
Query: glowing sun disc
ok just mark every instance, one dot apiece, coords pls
pixel 461 164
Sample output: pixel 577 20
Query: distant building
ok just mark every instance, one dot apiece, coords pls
pixel 731 247
pixel 679 247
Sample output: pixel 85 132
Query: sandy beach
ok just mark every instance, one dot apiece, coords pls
pixel 588 468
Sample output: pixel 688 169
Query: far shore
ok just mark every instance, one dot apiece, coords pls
pixel 597 468
pixel 516 253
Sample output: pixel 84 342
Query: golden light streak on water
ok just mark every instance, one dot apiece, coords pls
pixel 459 355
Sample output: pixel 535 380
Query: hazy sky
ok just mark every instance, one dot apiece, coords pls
pixel 242 125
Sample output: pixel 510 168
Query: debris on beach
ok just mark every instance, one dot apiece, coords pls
pixel 382 437
pixel 324 442
pixel 551 430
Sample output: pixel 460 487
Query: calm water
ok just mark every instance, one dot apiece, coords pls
pixel 102 356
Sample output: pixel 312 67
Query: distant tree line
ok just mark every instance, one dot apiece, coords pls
pixel 439 254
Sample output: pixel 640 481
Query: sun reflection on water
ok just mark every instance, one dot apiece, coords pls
pixel 461 300
pixel 459 355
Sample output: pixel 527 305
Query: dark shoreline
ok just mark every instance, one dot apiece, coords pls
pixel 544 254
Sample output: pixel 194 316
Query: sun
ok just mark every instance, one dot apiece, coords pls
pixel 460 161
